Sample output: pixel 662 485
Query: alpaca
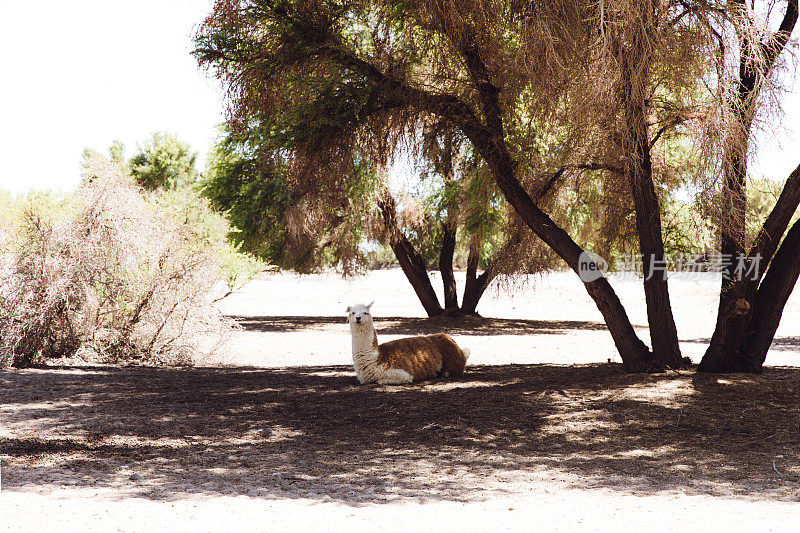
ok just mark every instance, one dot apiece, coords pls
pixel 402 360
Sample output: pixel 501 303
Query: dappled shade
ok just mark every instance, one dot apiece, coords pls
pixel 313 432
pixel 401 325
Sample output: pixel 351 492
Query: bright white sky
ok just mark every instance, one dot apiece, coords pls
pixel 82 73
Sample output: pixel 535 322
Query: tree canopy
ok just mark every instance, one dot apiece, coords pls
pixel 627 98
pixel 163 162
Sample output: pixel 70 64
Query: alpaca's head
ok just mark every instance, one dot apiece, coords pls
pixel 359 315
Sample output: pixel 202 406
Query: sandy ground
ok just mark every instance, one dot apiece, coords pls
pixel 542 432
pixel 563 325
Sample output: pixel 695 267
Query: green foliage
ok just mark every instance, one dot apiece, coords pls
pixel 186 209
pixel 117 152
pixel 12 210
pixel 473 201
pixel 163 162
pixel 288 220
pixel 684 231
pixel 254 198
pixel 607 226
pixel 762 195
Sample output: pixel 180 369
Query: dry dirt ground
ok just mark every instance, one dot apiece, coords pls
pixel 542 432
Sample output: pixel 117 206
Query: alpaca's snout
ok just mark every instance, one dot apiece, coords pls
pixel 358 320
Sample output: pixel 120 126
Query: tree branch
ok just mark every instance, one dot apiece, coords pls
pixel 675 121
pixel 402 94
pixel 775 44
pixel 769 236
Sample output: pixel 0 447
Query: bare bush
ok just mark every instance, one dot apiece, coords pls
pixel 113 274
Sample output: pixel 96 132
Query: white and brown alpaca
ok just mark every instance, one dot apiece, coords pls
pixel 402 360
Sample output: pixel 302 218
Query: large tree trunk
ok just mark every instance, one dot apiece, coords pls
pixel 446 265
pixel 741 319
pixel 663 333
pixel 770 301
pixel 747 310
pixel 475 285
pixel 490 143
pixel 639 173
pixel 410 260
pixel 750 327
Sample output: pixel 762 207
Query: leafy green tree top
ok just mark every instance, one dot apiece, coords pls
pixel 164 162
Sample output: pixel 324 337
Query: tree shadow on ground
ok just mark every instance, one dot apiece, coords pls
pixel 786 343
pixel 791 344
pixel 395 325
pixel 313 432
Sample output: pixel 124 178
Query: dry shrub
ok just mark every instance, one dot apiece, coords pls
pixel 111 274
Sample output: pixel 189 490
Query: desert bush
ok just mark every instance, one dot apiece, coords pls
pixel 111 273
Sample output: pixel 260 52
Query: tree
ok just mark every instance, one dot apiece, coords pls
pixel 399 65
pixel 163 162
pixel 543 92
pixel 304 227
pixel 116 153
pixel 759 275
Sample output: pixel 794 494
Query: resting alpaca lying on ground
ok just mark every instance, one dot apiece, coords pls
pixel 401 360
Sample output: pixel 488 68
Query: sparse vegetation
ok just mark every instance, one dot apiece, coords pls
pixel 112 274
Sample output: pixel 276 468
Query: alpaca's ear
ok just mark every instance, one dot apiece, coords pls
pixel 348 308
pixel 370 304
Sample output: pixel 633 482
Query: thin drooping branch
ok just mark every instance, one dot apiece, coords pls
pixel 670 124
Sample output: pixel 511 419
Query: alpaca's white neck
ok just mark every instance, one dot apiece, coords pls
pixel 365 350
pixel 364 338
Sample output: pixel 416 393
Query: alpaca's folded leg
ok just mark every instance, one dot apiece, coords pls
pixel 395 376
